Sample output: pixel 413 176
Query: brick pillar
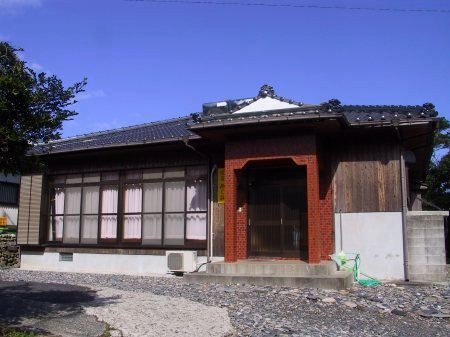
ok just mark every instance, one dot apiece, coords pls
pixel 312 186
pixel 230 212
pixel 326 214
pixel 241 218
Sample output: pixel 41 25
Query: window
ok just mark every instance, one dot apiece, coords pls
pixel 108 217
pixel 56 215
pixel 89 219
pixel 132 217
pixel 152 221
pixel 9 193
pixel 196 203
pixel 151 207
pixel 72 204
pixel 174 213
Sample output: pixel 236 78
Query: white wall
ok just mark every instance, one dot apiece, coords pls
pixel 377 237
pixel 98 263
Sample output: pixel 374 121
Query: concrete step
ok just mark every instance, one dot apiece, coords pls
pixel 272 268
pixel 339 280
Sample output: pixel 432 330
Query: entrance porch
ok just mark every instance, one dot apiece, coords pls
pixel 278 216
pixel 275 205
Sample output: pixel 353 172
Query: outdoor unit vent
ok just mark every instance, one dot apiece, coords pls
pixel 66 257
pixel 181 261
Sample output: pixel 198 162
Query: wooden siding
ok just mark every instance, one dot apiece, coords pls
pixel 123 159
pixel 24 208
pixel 35 209
pixel 29 209
pixel 367 178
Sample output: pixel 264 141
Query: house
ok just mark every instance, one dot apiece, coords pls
pixel 255 178
pixel 9 199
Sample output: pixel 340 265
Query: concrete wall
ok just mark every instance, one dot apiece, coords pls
pixel 98 263
pixel 377 237
pixel 10 213
pixel 426 246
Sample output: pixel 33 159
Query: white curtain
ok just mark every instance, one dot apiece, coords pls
pixel 153 198
pixel 90 199
pixel 133 204
pixel 132 226
pixel 89 223
pixel 109 205
pixel 59 201
pixel 174 198
pixel 71 214
pixel 73 200
pixel 196 196
pixel 133 198
pixel 152 229
pixel 89 229
pixel 196 226
pixel 57 220
pixel 174 229
pixel 71 228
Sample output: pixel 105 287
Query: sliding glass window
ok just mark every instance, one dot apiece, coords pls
pixel 150 207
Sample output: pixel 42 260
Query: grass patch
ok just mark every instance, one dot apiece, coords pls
pixel 11 332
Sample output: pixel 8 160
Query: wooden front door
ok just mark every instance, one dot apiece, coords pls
pixel 277 222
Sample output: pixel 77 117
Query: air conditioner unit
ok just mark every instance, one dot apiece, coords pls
pixel 181 261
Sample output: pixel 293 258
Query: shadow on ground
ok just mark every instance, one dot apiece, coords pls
pixel 55 308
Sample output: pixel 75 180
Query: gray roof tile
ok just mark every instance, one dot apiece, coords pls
pixel 168 130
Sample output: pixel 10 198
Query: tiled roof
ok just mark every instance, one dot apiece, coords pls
pixel 357 114
pixel 241 111
pixel 266 107
pixel 163 131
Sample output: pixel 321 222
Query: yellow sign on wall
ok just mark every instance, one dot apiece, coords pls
pixel 3 220
pixel 221 185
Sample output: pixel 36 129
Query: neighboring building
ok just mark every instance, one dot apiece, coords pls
pixel 263 177
pixel 9 199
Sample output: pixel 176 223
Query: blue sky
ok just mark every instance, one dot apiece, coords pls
pixel 147 61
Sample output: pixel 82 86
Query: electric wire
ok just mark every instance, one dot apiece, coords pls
pixel 296 6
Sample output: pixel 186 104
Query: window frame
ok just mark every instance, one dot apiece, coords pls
pixel 120 183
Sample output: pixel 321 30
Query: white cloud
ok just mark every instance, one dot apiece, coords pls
pixel 36 67
pixel 14 6
pixel 91 94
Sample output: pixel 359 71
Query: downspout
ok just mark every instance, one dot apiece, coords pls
pixel 341 236
pixel 404 199
pixel 404 211
pixel 211 212
pixel 210 202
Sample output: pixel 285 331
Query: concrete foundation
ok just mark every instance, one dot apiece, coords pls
pixel 426 246
pixel 98 263
pixel 377 237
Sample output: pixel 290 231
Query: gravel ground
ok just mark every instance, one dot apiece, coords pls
pixel 149 315
pixel 266 311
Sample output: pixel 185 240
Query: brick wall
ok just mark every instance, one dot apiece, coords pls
pixel 302 150
pixel 326 208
